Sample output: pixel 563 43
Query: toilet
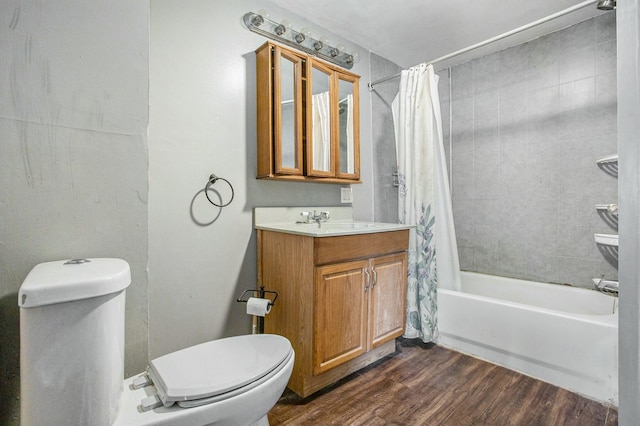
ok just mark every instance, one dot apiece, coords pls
pixel 72 359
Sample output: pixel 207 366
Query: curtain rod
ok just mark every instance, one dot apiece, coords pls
pixel 496 38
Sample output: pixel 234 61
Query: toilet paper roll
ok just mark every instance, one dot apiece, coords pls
pixel 258 306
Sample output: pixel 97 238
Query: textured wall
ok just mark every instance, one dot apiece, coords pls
pixel 73 156
pixel 528 124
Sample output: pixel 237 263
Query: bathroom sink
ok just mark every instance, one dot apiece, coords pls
pixel 327 229
pixel 341 222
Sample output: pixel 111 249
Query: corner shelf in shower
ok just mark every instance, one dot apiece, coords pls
pixel 606 239
pixel 608 159
pixel 609 164
pixel 608 208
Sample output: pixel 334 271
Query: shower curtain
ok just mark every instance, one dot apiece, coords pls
pixel 424 199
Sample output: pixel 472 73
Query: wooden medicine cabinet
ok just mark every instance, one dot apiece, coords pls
pixel 308 118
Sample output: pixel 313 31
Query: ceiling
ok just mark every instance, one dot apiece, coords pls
pixel 409 32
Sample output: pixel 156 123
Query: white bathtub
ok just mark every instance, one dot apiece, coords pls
pixel 562 335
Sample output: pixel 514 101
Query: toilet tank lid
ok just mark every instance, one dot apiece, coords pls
pixel 76 279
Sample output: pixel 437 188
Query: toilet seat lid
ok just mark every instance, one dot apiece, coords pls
pixel 216 367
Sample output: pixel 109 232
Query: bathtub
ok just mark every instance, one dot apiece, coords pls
pixel 563 335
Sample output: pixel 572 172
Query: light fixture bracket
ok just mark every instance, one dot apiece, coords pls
pixel 275 31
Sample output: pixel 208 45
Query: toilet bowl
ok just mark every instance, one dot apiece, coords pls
pixel 72 359
pixel 243 404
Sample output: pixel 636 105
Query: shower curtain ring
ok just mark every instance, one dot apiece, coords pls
pixel 212 180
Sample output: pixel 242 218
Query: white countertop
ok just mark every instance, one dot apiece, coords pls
pixel 283 219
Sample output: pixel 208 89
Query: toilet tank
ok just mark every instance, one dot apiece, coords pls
pixel 72 341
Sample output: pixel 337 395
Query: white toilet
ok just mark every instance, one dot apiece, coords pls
pixel 72 360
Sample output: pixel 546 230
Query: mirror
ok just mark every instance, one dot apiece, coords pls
pixel 287 111
pixel 320 122
pixel 346 127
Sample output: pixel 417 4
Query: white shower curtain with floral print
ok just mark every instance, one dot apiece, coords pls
pixel 424 199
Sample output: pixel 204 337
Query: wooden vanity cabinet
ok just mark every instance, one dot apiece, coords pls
pixel 341 300
pixel 308 125
pixel 349 321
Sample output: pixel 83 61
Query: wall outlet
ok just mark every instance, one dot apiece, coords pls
pixel 346 196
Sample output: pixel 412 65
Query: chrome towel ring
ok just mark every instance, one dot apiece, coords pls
pixel 212 180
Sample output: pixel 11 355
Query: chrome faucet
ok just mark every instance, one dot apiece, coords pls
pixel 322 217
pixel 606 286
pixel 307 217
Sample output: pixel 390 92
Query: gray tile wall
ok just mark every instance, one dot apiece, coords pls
pixel 384 156
pixel 528 124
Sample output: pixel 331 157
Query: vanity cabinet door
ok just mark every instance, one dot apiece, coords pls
pixel 388 292
pixel 340 313
pixel 358 306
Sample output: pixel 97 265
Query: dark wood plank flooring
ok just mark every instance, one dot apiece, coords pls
pixel 430 385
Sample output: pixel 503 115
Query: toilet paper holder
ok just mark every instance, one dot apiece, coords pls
pixel 261 293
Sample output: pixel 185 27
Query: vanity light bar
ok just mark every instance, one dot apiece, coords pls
pixel 298 39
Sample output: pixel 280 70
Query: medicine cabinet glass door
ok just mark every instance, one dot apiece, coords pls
pixel 348 122
pixel 307 118
pixel 321 122
pixel 288 113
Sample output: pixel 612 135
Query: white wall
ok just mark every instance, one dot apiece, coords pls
pixel 73 152
pixel 203 121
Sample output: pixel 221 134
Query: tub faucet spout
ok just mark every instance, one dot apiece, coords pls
pixel 606 286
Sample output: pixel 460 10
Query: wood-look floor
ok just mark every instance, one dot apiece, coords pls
pixel 430 385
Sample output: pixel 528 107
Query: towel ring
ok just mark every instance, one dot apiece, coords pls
pixel 212 180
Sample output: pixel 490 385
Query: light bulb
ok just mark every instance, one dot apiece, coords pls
pixel 285 23
pixel 302 35
pixel 340 47
pixel 283 27
pixel 321 42
pixel 259 18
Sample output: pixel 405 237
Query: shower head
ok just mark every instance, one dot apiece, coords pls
pixel 606 4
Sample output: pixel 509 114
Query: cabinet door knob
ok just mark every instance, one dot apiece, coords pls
pixel 375 277
pixel 366 286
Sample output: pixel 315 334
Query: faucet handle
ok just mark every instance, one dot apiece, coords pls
pixel 306 216
pixel 325 215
